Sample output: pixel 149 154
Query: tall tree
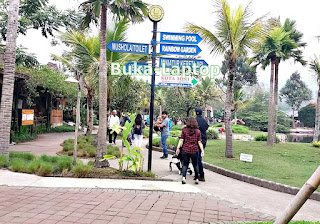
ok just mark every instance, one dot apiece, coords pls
pixel 315 67
pixel 281 43
pixel 207 90
pixel 234 37
pixel 39 15
pixel 129 9
pixel 295 92
pixel 160 99
pixel 239 102
pixel 8 76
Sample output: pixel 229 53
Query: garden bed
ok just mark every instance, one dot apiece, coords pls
pixel 61 166
pixel 85 149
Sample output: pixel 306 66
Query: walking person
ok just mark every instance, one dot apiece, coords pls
pixel 190 141
pixel 112 120
pixel 203 127
pixel 137 129
pixel 165 132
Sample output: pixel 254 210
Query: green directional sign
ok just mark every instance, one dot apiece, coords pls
pixel 194 81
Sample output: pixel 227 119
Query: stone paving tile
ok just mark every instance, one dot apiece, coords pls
pixel 64 205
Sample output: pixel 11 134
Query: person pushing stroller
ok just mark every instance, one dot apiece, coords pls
pixel 190 141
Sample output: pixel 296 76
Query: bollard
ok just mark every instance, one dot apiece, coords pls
pixel 305 192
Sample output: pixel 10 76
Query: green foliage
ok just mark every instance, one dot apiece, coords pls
pixel 176 127
pixel 240 129
pixel 175 133
pixel 90 163
pixel 260 138
pixel 17 164
pixel 256 115
pixel 156 141
pixel 307 115
pixel 295 92
pixel 21 155
pixel 217 125
pixel 33 166
pixel 39 15
pixel 24 135
pixel 62 128
pixel 146 133
pixel 3 160
pixel 64 163
pixel 81 170
pixel 171 141
pixel 212 133
pixel 113 150
pixel 45 168
pixel 84 147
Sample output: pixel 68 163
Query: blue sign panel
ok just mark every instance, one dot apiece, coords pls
pixel 130 66
pixel 179 49
pixel 180 38
pixel 125 47
pixel 169 62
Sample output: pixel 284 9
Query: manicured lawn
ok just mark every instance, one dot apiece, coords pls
pixel 286 163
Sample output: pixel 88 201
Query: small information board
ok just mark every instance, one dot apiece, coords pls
pixel 27 117
pixel 246 157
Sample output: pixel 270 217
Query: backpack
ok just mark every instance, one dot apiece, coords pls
pixel 137 130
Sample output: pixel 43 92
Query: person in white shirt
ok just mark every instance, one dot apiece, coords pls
pixel 112 120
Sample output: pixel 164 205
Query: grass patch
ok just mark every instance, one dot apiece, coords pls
pixel 286 163
pixel 84 148
pixel 3 160
pixel 171 141
pixel 176 127
pixel 21 155
pixel 176 133
pixel 81 170
pixel 113 150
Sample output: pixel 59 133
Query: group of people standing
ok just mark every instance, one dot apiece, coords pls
pixel 192 142
pixel 137 131
pixel 191 145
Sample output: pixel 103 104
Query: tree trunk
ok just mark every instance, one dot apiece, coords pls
pixel 160 110
pixel 293 121
pixel 90 98
pixel 270 141
pixel 8 77
pixel 78 115
pixel 235 116
pixel 227 111
pixel 317 121
pixel 102 133
pixel 276 100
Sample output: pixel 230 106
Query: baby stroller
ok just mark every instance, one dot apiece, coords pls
pixel 177 160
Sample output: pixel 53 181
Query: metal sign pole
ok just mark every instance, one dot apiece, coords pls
pixel 153 80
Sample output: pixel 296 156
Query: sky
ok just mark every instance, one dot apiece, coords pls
pixel 201 12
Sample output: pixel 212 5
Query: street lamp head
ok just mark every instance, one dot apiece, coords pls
pixel 71 80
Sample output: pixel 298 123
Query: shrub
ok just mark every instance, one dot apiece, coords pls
pixel 33 166
pixel 240 129
pixel 49 159
pixel 3 160
pixel 175 133
pixel 307 115
pixel 316 144
pixel 176 127
pixel 17 165
pixel 261 137
pixel 217 125
pixel 81 170
pixel 90 151
pixel 212 133
pixel 113 150
pixel 62 129
pixel 90 163
pixel 45 168
pixel 21 155
pixel 68 142
pixel 173 141
pixel 156 141
pixel 64 163
pixel 146 133
pixel 67 148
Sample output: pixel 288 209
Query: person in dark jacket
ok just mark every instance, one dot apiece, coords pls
pixel 203 127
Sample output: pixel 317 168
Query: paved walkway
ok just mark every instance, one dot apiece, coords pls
pixel 242 195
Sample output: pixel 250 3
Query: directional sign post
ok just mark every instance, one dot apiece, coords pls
pixel 125 47
pixel 179 49
pixel 176 81
pixel 169 62
pixel 180 38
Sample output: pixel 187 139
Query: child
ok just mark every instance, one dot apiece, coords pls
pixel 158 121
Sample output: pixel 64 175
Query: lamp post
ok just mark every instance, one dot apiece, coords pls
pixel 79 81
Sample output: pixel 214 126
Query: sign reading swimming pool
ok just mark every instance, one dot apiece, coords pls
pixel 125 47
pixel 180 38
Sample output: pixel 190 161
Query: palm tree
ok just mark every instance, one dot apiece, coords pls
pixel 239 102
pixel 134 10
pixel 8 76
pixel 315 67
pixel 207 90
pixel 234 37
pixel 281 43
pixel 160 99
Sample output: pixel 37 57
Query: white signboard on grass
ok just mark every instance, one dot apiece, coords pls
pixel 246 157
